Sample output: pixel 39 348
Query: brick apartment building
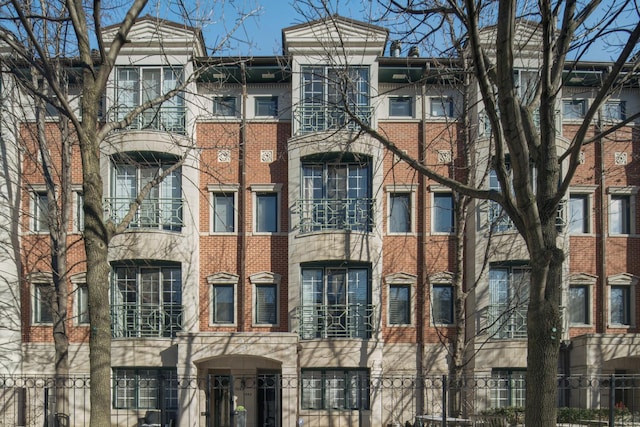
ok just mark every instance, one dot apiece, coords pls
pixel 290 246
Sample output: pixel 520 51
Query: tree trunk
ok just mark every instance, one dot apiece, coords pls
pixel 544 334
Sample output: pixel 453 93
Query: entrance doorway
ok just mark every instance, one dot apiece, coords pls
pixel 269 396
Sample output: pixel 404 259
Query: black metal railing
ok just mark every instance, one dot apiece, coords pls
pixel 355 214
pixel 336 321
pixel 145 320
pixel 319 118
pixel 157 213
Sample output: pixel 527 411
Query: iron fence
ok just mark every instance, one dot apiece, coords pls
pixel 273 400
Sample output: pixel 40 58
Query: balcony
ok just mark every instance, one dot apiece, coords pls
pixel 507 322
pixel 145 320
pixel 155 213
pixel 319 118
pixel 350 214
pixel 168 119
pixel 336 321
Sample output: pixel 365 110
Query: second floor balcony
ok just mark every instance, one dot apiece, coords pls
pixel 145 320
pixel 348 214
pixel 319 118
pixel 507 323
pixel 154 213
pixel 336 321
pixel 164 118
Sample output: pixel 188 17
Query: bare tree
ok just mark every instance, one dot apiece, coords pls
pixel 57 41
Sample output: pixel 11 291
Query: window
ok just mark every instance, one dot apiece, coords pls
pixel 442 107
pixel 222 304
pixel 498 218
pixel 266 106
pixel 82 304
pixel 619 214
pixel 579 305
pixel 223 213
pixel 579 217
pixel 162 207
pixel 146 301
pixel 40 212
pixel 266 212
pixel 266 304
pixel 399 212
pixel 509 298
pixel 336 302
pixel 224 106
pixel 137 85
pixel 79 217
pixel 323 97
pixel 42 303
pixel 574 109
pixel 508 388
pixel 526 82
pixel 614 110
pixel 442 304
pixel 620 302
pixel 400 106
pixel 399 305
pixel 145 388
pixel 329 389
pixel 336 196
pixel 443 213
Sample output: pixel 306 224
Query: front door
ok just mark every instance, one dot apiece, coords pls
pixel 222 392
pixel 269 398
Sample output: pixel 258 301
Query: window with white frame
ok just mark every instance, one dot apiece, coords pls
pixel 266 198
pixel 400 212
pixel 223 208
pixel 135 86
pixel 614 110
pixel 82 303
pixel 266 106
pixel 162 207
pixel 265 298
pixel 508 388
pixel 40 212
pixel 579 218
pixel 579 304
pixel 400 106
pixel 508 300
pixel 622 295
pixel 443 212
pixel 442 303
pixel 224 106
pixel 43 303
pixel 622 210
pixel 335 389
pixel 223 298
pixel 442 107
pixel 401 289
pixel 526 82
pixel 574 109
pixel 498 219
pixel 145 388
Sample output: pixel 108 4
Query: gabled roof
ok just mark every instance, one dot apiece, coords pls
pixel 151 33
pixel 334 32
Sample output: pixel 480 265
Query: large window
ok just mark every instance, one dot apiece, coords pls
pixel 574 109
pixel 223 303
pixel 400 106
pixel 619 214
pixel 336 196
pixel 509 298
pixel 614 110
pixel 266 212
pixel 40 212
pixel 266 106
pixel 162 207
pixel 579 304
pixel 145 388
pixel 224 106
pixel 620 303
pixel 42 303
pixel 442 107
pixel 331 389
pixel 146 301
pixel 508 388
pixel 223 212
pixel 399 304
pixel 266 304
pixel 443 213
pixel 336 302
pixel 399 212
pixel 138 85
pixel 442 304
pixel 325 91
pixel 579 217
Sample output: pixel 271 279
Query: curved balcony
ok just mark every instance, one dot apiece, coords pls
pixel 336 321
pixel 152 214
pixel 145 320
pixel 319 118
pixel 352 214
pixel 165 118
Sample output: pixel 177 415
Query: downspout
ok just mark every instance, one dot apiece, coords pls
pixel 242 203
pixel 603 232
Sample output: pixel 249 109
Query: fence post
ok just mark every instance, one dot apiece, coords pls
pixel 612 401
pixel 444 401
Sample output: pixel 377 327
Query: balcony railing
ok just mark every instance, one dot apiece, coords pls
pixel 142 320
pixel 498 218
pixel 169 119
pixel 336 321
pixel 507 322
pixel 157 213
pixel 355 214
pixel 318 118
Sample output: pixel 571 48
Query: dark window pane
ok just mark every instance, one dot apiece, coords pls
pixel 267 212
pixel 443 213
pixel 399 305
pixel 400 213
